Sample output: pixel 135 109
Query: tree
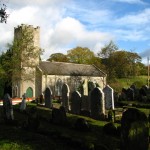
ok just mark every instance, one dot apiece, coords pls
pixel 58 57
pixel 106 55
pixel 81 55
pixel 107 50
pixel 25 54
pixel 125 63
pixel 21 57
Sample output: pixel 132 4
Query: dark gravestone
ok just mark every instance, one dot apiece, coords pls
pixel 134 130
pixel 97 103
pixel 143 93
pixel 85 103
pixel 33 121
pixel 84 100
pixel 136 92
pixel 109 97
pixel 59 116
pixel 65 97
pixel 81 125
pixel 48 98
pixel 75 102
pixel 41 99
pixel 91 86
pixel 130 94
pixel 123 95
pixel 8 108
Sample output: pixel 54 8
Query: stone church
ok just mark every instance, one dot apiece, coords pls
pixel 52 75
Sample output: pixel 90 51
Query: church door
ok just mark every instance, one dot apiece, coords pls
pixel 29 92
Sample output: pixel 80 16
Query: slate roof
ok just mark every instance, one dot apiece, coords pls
pixel 61 68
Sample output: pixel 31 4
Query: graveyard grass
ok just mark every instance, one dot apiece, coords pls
pixel 51 136
pixel 118 84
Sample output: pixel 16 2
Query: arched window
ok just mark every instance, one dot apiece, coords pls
pixel 15 91
pixel 58 87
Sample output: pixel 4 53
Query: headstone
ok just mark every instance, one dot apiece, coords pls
pixel 41 99
pixel 91 86
pixel 8 108
pixel 134 130
pixel 85 88
pixel 23 103
pixel 65 97
pixel 130 94
pixel 33 121
pixel 123 95
pixel 97 103
pixel 85 104
pixel 48 98
pixel 109 97
pixel 75 102
pixel 81 125
pixel 59 116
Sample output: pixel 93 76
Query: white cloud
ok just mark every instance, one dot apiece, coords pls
pixel 131 1
pixel 136 19
pixel 70 31
pixel 130 35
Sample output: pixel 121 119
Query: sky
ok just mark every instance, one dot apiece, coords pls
pixel 66 24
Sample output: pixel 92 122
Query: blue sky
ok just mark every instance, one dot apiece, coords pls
pixel 66 24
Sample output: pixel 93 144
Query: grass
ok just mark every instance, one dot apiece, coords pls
pixel 51 136
pixel 118 84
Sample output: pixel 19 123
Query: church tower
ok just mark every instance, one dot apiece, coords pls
pixel 27 53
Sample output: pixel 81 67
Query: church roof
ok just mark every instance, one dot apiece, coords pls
pixel 61 68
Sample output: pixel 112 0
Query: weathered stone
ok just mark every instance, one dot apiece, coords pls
pixel 23 103
pixel 81 125
pixel 48 98
pixel 97 103
pixel 65 97
pixel 109 97
pixel 76 102
pixel 8 108
pixel 134 130
pixel 59 115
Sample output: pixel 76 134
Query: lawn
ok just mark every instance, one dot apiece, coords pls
pixel 52 136
pixel 55 136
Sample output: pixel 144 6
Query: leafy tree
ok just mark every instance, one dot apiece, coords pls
pixel 17 63
pixel 58 57
pixel 106 55
pixel 25 54
pixel 81 55
pixel 107 50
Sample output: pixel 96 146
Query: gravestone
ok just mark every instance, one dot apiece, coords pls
pixel 75 102
pixel 8 108
pixel 130 94
pixel 109 97
pixel 65 97
pixel 23 103
pixel 91 86
pixel 81 125
pixel 85 88
pixel 85 104
pixel 134 130
pixel 123 95
pixel 59 116
pixel 48 98
pixel 41 99
pixel 97 103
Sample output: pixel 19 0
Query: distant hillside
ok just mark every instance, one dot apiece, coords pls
pixel 118 84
